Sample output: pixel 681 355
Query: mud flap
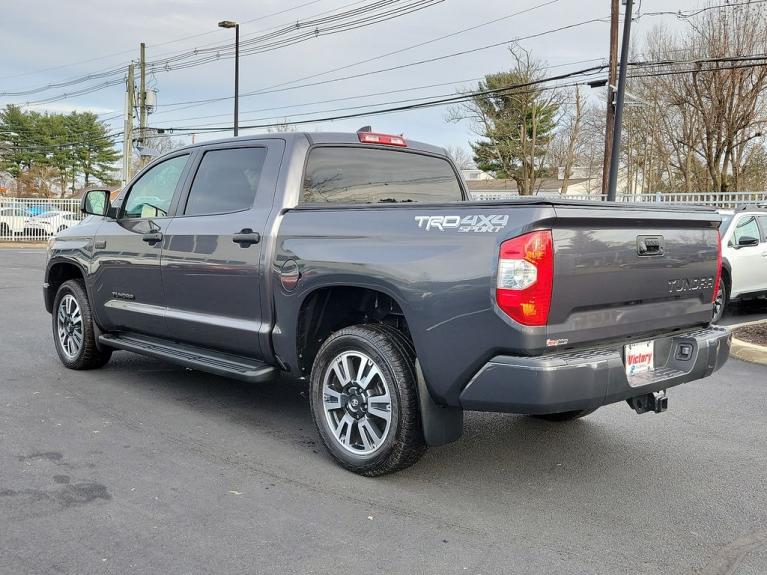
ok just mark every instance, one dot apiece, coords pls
pixel 441 424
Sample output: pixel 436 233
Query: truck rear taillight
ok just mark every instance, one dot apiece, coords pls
pixel 718 265
pixel 385 139
pixel 526 277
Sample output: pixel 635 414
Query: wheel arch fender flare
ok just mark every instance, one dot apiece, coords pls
pixel 50 285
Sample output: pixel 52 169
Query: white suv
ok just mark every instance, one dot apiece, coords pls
pixel 744 257
pixel 11 222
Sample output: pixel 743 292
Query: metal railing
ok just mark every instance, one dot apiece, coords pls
pixel 717 200
pixel 36 219
pixel 713 199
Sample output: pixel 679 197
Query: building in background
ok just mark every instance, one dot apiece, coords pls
pixel 474 175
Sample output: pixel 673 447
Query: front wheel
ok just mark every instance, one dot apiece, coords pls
pixel 73 332
pixel 364 402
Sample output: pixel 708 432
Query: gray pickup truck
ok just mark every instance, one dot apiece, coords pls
pixel 358 262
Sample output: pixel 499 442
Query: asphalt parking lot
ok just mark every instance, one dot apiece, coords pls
pixel 143 467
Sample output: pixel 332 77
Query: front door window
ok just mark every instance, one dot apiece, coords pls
pixel 151 195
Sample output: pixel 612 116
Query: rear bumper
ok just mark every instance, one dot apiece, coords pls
pixel 590 378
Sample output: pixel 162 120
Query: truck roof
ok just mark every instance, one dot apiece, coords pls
pixel 318 138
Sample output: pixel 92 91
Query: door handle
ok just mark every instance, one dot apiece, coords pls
pixel 246 238
pixel 152 238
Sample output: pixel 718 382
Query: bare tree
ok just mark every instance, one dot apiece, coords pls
pixel 283 127
pixel 710 119
pixel 460 156
pixel 157 143
pixel 565 150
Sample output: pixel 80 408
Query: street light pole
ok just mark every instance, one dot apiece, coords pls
pixel 616 150
pixel 236 26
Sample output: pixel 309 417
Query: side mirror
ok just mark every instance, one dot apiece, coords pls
pixel 747 241
pixel 95 202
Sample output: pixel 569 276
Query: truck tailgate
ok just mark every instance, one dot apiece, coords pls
pixel 628 273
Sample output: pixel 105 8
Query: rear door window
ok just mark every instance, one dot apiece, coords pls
pixel 357 175
pixel 763 225
pixel 226 181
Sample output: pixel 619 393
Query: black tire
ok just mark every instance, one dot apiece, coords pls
pixel 87 356
pixel 566 415
pixel 721 301
pixel 403 444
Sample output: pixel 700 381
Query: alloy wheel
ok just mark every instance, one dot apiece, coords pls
pixel 69 326
pixel 719 304
pixel 357 402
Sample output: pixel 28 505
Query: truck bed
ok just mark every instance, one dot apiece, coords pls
pixel 443 278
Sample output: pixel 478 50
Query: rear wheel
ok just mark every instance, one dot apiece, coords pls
pixel 364 402
pixel 720 302
pixel 73 332
pixel 566 415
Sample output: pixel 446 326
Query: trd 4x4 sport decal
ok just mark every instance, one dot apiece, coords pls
pixel 476 223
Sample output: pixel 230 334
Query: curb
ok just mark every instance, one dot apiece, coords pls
pixel 22 245
pixel 748 351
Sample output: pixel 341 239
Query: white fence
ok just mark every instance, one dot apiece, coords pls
pixel 36 219
pixel 712 199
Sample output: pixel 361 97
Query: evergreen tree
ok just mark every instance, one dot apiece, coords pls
pixel 67 149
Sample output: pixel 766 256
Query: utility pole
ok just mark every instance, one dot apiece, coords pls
pixel 613 70
pixel 615 156
pixel 142 104
pixel 130 89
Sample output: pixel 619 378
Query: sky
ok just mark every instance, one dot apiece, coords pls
pixel 44 42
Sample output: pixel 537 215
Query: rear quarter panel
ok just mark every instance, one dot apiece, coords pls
pixel 442 279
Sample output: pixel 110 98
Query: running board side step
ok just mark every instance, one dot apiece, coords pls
pixel 237 367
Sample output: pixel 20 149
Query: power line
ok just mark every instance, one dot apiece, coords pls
pixel 368 95
pixel 419 44
pixel 434 102
pixel 225 52
pixel 388 102
pixel 471 95
pixel 413 6
pixel 164 65
pixel 120 69
pixel 696 66
pixel 263 30
pixel 107 56
pixel 692 13
pixel 271 90
pixel 250 21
